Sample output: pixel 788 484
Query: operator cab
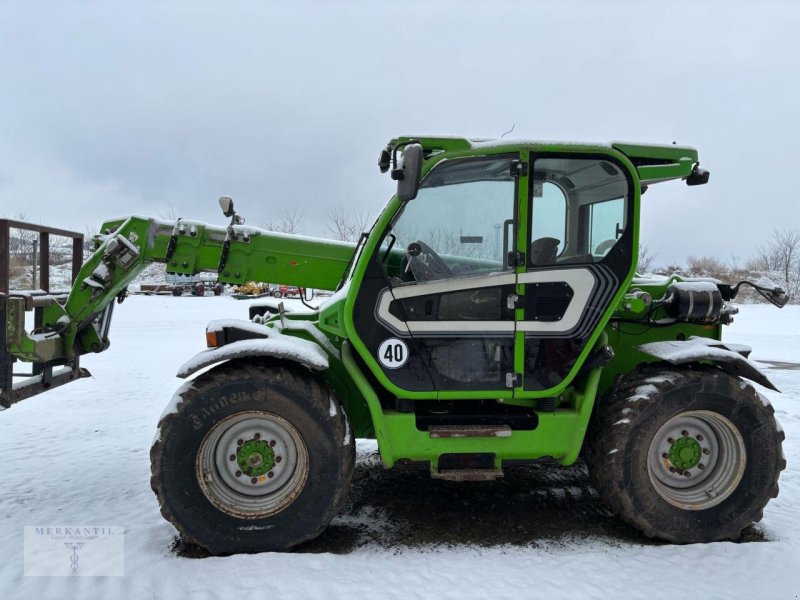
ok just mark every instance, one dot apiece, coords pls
pixel 495 275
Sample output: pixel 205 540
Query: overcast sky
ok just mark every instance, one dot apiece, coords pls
pixel 108 109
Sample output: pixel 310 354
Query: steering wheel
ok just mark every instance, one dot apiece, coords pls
pixel 425 263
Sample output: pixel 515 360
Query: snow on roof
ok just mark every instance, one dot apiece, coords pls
pixel 529 142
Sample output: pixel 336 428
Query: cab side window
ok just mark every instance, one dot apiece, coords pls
pixel 548 223
pixel 605 221
pixel 578 210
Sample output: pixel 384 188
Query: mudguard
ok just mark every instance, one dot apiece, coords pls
pixel 731 358
pixel 271 342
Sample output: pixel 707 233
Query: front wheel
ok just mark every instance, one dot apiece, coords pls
pixel 686 455
pixel 254 458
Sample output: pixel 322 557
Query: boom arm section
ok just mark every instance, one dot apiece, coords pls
pixel 124 247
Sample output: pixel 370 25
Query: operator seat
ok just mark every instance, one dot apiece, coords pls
pixel 543 251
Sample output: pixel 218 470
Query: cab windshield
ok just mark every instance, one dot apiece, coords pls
pixel 461 220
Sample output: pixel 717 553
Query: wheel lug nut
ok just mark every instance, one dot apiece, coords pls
pixel 706 451
pixel 685 433
pixel 270 474
pixel 672 469
pixel 699 437
pixel 278 459
pixel 232 457
pixel 687 473
pixel 701 466
pixel 254 480
pixel 670 441
pixel 238 473
pixel 239 442
pixel 272 443
pixel 257 436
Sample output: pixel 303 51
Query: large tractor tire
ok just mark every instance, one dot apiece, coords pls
pixel 686 455
pixel 254 458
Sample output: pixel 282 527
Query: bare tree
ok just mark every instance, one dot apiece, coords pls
pixel 288 221
pixel 21 242
pixel 646 259
pixel 23 245
pixel 670 269
pixel 60 249
pixel 706 266
pixel 787 243
pixel 779 258
pixel 781 253
pixel 345 225
pixel 89 231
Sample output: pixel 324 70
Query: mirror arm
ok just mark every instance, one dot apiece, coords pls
pixel 398 173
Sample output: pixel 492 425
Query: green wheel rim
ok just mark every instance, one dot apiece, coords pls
pixel 696 459
pixel 252 464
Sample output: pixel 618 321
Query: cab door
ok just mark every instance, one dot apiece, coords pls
pixel 579 242
pixel 433 309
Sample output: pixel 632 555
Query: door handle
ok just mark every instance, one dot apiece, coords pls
pixel 506 223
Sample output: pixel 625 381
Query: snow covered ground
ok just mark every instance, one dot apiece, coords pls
pixel 79 455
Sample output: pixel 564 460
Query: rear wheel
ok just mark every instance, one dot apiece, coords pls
pixel 686 455
pixel 255 458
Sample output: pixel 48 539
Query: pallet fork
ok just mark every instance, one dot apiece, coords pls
pixel 16 386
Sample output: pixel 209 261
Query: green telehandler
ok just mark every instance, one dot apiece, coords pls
pixel 491 316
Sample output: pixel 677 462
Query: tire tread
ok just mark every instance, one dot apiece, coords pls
pixel 297 377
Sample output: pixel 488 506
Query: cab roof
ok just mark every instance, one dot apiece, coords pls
pixel 654 162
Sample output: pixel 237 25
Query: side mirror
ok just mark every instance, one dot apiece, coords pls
pixel 385 159
pixel 407 172
pixel 226 204
pixel 698 177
